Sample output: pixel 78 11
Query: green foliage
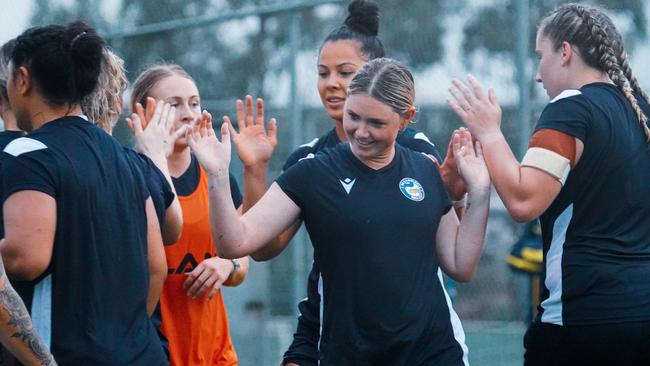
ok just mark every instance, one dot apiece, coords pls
pixel 491 28
pixel 412 31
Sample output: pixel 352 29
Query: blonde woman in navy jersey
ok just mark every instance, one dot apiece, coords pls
pixel 380 221
pixel 586 173
pixel 345 49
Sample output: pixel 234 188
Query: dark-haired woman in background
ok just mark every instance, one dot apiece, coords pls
pixel 22 288
pixel 78 216
pixel 345 50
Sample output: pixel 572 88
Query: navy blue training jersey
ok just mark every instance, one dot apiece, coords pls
pixel 304 348
pixel 90 303
pixel 5 138
pixel 373 233
pixel 161 192
pixel 596 232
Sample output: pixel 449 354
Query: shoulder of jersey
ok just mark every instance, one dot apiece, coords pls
pixel 566 94
pixel 428 158
pixel 412 134
pixel 24 145
pixel 311 143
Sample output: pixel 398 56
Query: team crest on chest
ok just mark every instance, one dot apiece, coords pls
pixel 412 189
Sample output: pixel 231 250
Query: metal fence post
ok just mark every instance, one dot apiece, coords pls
pixel 523 76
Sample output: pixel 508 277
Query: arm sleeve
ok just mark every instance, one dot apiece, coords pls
pixel 31 171
pixel 295 182
pixel 235 193
pixel 304 348
pixel 161 192
pixel 569 115
pixel 555 141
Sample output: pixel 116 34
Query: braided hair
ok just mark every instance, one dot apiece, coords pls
pixel 361 25
pixel 600 45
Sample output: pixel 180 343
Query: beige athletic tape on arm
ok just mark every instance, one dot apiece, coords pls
pixel 548 161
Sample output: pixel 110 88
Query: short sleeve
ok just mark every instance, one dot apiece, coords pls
pixel 165 188
pixel 570 115
pixel 28 171
pixel 235 193
pixel 161 191
pixel 295 181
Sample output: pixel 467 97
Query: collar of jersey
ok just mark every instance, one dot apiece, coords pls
pixel 363 168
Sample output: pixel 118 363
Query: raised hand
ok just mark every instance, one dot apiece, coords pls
pixel 454 182
pixel 470 162
pixel 214 155
pixel 253 143
pixel 153 128
pixel 479 111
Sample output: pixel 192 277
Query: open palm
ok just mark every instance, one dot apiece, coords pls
pixel 253 143
pixel 214 155
pixel 469 158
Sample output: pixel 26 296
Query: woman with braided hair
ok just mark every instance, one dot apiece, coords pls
pixel 586 173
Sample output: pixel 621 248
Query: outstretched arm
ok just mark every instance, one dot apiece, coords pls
pixel 17 332
pixel 255 146
pixel 526 192
pixel 459 246
pixel 237 236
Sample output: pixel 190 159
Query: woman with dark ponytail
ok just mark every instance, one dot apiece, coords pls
pixel 586 173
pixel 78 217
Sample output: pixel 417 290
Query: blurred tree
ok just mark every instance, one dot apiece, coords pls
pixel 490 28
pixel 58 12
pixel 232 58
pixel 414 33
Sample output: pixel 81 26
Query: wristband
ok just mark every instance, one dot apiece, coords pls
pixel 236 266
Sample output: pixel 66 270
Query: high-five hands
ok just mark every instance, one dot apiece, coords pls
pixel 479 111
pixel 253 142
pixel 214 155
pixel 469 158
pixel 153 128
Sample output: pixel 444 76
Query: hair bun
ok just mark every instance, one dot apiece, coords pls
pixel 364 17
pixel 85 48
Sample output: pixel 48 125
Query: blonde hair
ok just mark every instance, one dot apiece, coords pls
pixel 387 80
pixel 600 45
pixel 103 105
pixel 150 77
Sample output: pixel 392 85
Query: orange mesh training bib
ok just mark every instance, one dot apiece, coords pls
pixel 197 330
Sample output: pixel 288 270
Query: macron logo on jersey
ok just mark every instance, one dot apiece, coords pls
pixel 347 184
